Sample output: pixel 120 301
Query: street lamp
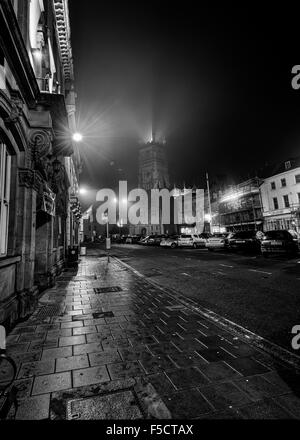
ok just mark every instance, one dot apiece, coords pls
pixel 83 191
pixel 120 225
pixel 77 137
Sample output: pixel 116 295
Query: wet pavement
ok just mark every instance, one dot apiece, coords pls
pixel 257 293
pixel 105 343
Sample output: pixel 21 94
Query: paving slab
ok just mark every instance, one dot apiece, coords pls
pixel 51 382
pixel 89 376
pixel 71 363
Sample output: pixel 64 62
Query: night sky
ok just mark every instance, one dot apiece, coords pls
pixel 219 79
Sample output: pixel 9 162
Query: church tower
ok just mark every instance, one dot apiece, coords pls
pixel 153 174
pixel 153 165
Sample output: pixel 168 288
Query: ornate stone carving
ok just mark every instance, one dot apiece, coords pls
pixel 16 111
pixel 40 144
pixel 59 183
pixel 30 179
pixel 40 149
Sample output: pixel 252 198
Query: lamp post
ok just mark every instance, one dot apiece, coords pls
pixel 209 203
pixel 77 137
pixel 107 243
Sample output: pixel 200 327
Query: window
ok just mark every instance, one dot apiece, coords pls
pixel 5 165
pixel 273 185
pixel 283 182
pixel 286 201
pixel 288 165
pixel 298 197
pixel 275 201
pixel 297 178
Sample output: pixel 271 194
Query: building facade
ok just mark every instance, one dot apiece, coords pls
pixel 239 208
pixel 40 166
pixel 280 194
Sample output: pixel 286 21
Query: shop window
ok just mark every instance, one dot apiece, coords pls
pixel 5 171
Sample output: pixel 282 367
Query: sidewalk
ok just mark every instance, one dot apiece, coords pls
pixel 106 344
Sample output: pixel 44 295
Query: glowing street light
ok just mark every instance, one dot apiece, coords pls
pixel 83 191
pixel 77 137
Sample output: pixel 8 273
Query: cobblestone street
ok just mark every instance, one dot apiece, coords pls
pixel 106 344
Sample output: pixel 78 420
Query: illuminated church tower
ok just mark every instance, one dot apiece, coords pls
pixel 153 174
pixel 153 165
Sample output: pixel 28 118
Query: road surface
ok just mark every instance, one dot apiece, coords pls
pixel 261 295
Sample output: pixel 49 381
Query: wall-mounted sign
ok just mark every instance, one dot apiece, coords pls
pixel 46 201
pixel 49 202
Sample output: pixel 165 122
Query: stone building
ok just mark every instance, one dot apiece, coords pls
pixel 240 207
pixel 280 193
pixel 40 166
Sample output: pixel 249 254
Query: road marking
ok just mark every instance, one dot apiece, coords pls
pixel 226 265
pixel 186 274
pixel 260 271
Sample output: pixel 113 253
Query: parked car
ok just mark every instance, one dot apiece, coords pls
pixel 153 240
pixel 132 239
pixel 205 236
pixel 279 242
pixel 192 240
pixel 123 239
pixel 218 241
pixel 245 241
pixel 171 242
pixel 142 240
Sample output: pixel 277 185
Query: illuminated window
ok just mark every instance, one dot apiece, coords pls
pixel 5 170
